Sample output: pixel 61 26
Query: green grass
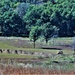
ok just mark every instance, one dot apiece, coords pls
pixel 62 41
pixel 5 55
pixel 66 51
pixel 48 61
pixel 64 62
pixel 6 46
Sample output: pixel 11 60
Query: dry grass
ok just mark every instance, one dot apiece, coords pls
pixel 32 71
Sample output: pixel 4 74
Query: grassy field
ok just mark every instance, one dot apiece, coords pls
pixel 55 64
pixel 5 55
pixel 14 43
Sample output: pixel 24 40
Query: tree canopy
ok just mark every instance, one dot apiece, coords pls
pixel 18 17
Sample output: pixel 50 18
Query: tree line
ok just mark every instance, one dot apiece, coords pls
pixel 19 18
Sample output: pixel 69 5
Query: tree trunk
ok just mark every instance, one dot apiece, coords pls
pixel 68 27
pixel 46 41
pixel 53 41
pixel 34 43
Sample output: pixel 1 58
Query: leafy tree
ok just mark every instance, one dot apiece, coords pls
pixel 40 16
pixel 51 13
pixel 12 24
pixel 35 33
pixel 22 8
pixel 48 31
pixel 32 16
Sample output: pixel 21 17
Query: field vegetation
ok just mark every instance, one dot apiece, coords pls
pixel 32 64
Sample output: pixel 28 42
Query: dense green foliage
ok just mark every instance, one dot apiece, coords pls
pixel 17 17
pixel 35 33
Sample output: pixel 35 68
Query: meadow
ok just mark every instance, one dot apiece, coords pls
pixel 39 63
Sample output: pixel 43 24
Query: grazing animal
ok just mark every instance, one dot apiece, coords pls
pixel 16 52
pixel 8 51
pixel 1 51
pixel 60 52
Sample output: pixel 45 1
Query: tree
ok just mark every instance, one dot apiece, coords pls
pixel 11 22
pixel 48 31
pixel 35 33
pixel 32 17
pixel 57 13
pixel 22 8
